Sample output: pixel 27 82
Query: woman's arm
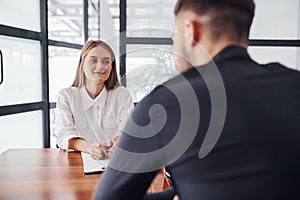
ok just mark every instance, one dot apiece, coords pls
pixel 97 150
pixel 79 144
pixel 65 128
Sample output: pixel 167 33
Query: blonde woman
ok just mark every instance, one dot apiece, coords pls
pixel 90 113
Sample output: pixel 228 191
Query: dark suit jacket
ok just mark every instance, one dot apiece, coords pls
pixel 257 155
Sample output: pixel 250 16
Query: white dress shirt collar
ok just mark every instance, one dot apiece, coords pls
pixel 89 102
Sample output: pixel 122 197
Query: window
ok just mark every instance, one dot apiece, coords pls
pixel 94 19
pixel 23 102
pixel 279 24
pixel 150 18
pixel 288 56
pixel 65 21
pixel 147 67
pixel 22 130
pixel 21 59
pixel 20 14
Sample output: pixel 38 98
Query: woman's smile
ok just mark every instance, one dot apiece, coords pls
pixel 98 73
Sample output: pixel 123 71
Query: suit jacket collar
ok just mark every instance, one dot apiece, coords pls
pixel 232 51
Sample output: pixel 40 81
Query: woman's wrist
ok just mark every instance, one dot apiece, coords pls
pixel 87 146
pixel 79 144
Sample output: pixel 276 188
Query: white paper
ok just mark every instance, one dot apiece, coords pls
pixel 91 165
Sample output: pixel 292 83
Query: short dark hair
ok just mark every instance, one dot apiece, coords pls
pixel 230 18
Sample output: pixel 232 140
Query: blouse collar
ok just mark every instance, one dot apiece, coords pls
pixel 89 102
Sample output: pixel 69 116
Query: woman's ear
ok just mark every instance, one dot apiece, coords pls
pixel 193 31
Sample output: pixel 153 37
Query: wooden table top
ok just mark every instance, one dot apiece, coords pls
pixel 48 174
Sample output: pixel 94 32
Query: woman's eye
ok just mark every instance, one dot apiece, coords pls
pixel 93 61
pixel 106 62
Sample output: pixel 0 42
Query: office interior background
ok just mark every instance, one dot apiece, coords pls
pixel 40 43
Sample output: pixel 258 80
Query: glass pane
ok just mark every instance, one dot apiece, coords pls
pixel 94 19
pixel 65 20
pixel 150 18
pixel 288 56
pixel 22 71
pixel 108 32
pixel 146 67
pixel 276 19
pixel 24 130
pixel 62 68
pixel 113 8
pixel 21 14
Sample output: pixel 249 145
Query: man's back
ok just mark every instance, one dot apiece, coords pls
pixel 258 153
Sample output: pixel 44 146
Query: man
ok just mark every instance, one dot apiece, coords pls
pixel 225 128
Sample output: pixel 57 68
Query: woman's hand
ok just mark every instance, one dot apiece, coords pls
pixel 99 151
pixel 112 144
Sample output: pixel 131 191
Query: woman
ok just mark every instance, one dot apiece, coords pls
pixel 90 113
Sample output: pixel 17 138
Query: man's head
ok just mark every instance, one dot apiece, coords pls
pixel 212 24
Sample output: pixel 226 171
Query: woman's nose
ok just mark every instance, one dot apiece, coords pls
pixel 100 66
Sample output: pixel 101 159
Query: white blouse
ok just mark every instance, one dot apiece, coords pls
pixel 99 119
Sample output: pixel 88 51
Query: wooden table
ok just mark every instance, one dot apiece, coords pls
pixel 49 174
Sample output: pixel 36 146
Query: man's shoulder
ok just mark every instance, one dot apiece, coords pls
pixel 276 66
pixel 178 85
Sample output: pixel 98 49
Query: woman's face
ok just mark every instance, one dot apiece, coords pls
pixel 97 65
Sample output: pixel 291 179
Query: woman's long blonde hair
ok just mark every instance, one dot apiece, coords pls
pixel 80 78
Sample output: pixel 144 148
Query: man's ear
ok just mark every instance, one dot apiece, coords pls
pixel 193 31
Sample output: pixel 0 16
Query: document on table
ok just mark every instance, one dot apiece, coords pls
pixel 92 166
